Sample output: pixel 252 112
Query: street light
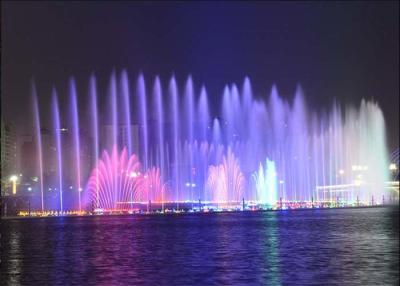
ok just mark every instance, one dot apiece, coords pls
pixel 14 180
pixel 392 167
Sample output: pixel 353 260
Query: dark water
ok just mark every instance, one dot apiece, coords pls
pixel 326 247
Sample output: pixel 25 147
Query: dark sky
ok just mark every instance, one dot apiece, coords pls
pixel 336 50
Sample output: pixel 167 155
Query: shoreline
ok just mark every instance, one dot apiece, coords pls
pixel 197 212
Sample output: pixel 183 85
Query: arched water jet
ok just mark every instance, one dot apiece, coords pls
pixel 116 181
pixel 226 181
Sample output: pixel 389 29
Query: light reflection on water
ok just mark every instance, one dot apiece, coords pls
pixel 14 263
pixel 354 246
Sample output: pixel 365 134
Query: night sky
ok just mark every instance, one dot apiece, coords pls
pixel 345 51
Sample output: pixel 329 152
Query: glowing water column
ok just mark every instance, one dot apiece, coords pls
pixel 266 183
pixel 272 183
pixel 57 130
pixel 95 128
pixel 76 137
pixel 38 141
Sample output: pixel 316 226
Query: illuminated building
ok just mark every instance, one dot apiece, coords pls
pixel 8 154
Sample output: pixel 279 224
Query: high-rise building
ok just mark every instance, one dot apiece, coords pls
pixel 8 153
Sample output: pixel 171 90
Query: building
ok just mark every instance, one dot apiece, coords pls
pixel 8 154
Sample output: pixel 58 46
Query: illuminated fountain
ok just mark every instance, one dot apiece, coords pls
pixel 57 133
pixel 116 182
pixel 266 185
pixel 152 186
pixel 225 182
pixel 324 157
pixel 36 115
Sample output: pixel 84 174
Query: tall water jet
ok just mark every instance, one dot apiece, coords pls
pixel 38 140
pixel 260 184
pixel 127 110
pixel 236 121
pixel 114 110
pixel 57 132
pixel 158 102
pixel 257 140
pixel 95 129
pixel 247 99
pixel 227 116
pixel 272 184
pixel 141 93
pixel 173 93
pixel 203 114
pixel 76 137
pixel 298 150
pixel 216 132
pixel 189 110
pixel 279 126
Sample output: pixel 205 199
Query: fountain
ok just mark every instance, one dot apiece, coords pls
pixel 265 181
pixel 319 156
pixel 57 132
pixel 38 143
pixel 225 182
pixel 116 181
pixel 76 138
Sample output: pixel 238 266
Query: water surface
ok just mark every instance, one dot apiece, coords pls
pixel 337 246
